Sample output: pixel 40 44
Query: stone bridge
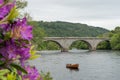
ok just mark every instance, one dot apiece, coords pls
pixel 65 42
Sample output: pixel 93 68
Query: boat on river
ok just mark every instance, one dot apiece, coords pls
pixel 72 66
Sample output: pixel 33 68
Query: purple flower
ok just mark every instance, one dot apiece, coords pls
pixel 21 30
pixel 5 10
pixel 1 40
pixel 33 74
pixel 11 50
pixel 8 51
pixel 24 54
pixel 5 27
pixel 1 1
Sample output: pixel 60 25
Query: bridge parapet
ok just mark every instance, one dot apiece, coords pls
pixel 76 38
pixel 65 42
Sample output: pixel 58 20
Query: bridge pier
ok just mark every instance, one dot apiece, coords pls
pixel 64 50
pixel 93 49
pixel 93 44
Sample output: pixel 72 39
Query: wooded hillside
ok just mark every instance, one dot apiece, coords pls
pixel 67 29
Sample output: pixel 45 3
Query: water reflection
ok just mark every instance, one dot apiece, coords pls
pixel 70 69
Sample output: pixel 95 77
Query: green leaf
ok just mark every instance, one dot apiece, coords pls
pixel 3 72
pixel 13 14
pixel 1 63
pixel 11 76
pixel 3 78
pixel 19 77
pixel 18 67
pixel 33 53
pixel 1 36
pixel 34 57
pixel 7 36
pixel 1 56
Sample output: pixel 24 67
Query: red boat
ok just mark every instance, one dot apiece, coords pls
pixel 72 66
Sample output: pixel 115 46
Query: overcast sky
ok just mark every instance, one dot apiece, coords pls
pixel 102 13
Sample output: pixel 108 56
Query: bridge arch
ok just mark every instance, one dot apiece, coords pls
pixel 84 42
pixel 104 44
pixel 56 44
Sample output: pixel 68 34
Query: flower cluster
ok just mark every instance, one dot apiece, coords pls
pixel 32 74
pixel 4 10
pixel 15 46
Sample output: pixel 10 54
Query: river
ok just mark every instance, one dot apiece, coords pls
pixel 95 65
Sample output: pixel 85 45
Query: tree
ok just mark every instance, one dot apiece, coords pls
pixel 20 4
pixel 115 41
pixel 117 29
pixel 115 38
pixel 79 45
pixel 104 45
pixel 38 34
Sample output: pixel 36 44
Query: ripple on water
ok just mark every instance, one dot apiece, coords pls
pixel 96 65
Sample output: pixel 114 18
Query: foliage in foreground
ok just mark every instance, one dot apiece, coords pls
pixel 15 45
pixel 46 76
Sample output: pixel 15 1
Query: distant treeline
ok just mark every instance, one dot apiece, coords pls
pixel 65 29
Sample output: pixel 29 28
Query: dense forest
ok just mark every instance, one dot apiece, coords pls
pixel 67 29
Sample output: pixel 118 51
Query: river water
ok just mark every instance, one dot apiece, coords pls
pixel 96 65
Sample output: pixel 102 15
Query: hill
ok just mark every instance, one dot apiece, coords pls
pixel 67 29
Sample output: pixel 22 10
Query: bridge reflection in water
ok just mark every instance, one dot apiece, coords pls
pixel 65 42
